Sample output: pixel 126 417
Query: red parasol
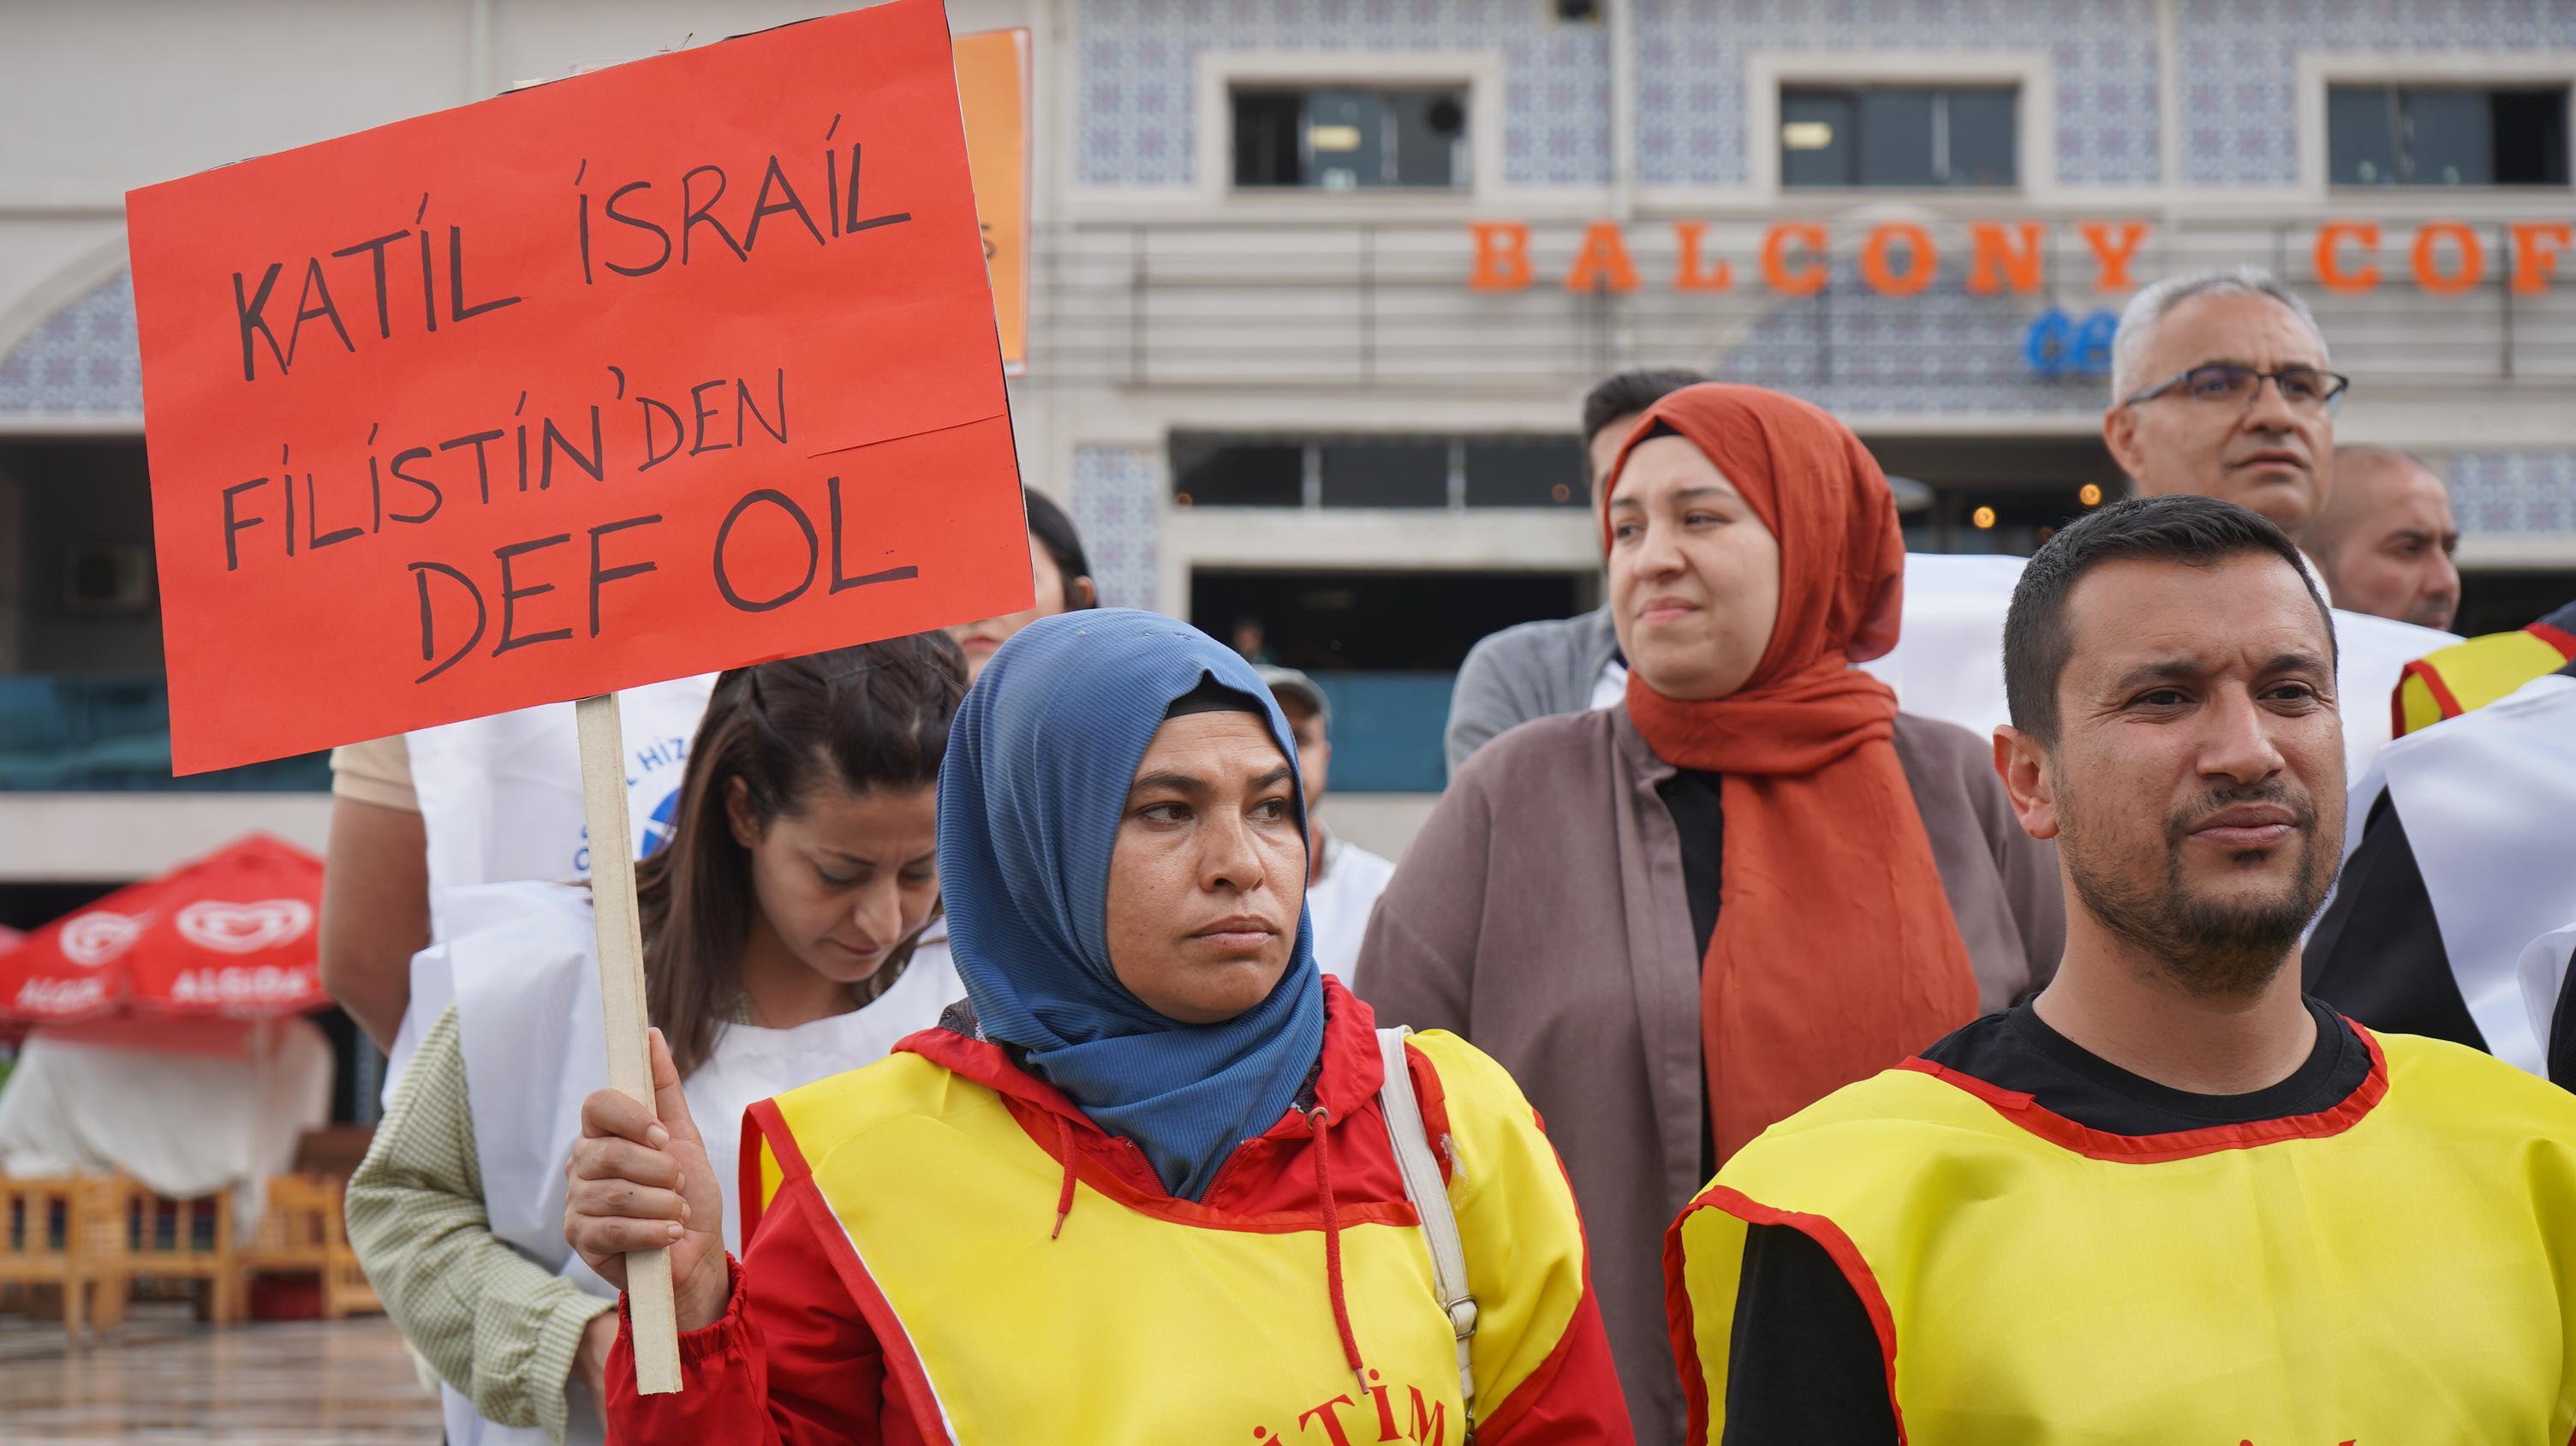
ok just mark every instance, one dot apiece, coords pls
pixel 230 934
pixel 11 1031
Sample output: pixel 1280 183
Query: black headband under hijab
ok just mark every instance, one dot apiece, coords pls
pixel 1211 696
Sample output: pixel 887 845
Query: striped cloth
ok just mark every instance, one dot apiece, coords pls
pixel 497 1326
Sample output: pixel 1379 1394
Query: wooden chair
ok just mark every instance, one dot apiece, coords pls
pixel 333 1150
pixel 303 1232
pixel 131 1234
pixel 40 1237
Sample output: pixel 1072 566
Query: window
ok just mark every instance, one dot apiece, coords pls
pixel 1525 472
pixel 1384 472
pixel 1216 471
pixel 1432 472
pixel 1340 139
pixel 2396 135
pixel 1899 135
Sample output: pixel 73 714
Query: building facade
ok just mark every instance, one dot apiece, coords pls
pixel 1317 285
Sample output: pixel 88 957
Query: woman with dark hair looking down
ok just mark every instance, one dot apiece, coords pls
pixel 787 936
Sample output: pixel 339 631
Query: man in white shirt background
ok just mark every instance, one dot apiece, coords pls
pixel 1343 880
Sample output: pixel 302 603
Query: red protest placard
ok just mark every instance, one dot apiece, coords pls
pixel 676 366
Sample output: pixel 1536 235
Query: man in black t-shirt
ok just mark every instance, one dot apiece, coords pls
pixel 2170 1199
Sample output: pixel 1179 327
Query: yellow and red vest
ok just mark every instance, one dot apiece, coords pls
pixel 2448 682
pixel 1154 1319
pixel 2398 1270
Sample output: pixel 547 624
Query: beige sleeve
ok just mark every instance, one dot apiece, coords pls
pixel 377 771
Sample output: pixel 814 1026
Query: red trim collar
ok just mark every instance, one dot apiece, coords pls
pixel 2559 638
pixel 2066 1134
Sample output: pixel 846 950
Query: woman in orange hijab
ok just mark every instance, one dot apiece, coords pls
pixel 1679 920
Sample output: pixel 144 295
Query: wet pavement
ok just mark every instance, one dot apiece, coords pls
pixel 166 1378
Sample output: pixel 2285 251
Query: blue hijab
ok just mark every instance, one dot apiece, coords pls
pixel 1030 797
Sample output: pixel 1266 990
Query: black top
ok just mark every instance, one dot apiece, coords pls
pixel 1693 799
pixel 1804 1365
pixel 2377 952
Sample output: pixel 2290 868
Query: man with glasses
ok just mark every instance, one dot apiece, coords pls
pixel 2220 389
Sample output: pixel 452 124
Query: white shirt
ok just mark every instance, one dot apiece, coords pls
pixel 1611 688
pixel 1338 904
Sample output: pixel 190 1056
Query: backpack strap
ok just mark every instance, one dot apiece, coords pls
pixel 1430 1198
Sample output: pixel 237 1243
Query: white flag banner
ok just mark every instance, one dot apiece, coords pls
pixel 1948 662
pixel 2544 977
pixel 2487 799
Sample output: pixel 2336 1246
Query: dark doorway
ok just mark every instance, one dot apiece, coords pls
pixel 2499 602
pixel 1377 621
pixel 1998 494
pixel 1385 648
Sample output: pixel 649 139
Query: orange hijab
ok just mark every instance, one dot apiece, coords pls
pixel 1835 955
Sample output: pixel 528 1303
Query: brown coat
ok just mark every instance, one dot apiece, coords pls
pixel 1541 914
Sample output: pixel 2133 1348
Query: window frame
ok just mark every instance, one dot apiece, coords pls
pixel 1311 443
pixel 1941 96
pixel 2398 94
pixel 1236 92
pixel 1476 73
pixel 2320 71
pixel 2030 72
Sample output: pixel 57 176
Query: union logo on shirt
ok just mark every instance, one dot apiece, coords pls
pixel 652 798
pixel 1421 1419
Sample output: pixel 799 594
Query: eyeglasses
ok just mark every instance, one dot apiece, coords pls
pixel 2304 388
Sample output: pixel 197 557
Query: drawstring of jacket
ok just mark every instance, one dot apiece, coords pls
pixel 1317 1120
pixel 1063 1197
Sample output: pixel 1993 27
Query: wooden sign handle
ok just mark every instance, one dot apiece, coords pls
pixel 621 989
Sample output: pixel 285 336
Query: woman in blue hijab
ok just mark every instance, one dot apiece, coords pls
pixel 1141 1185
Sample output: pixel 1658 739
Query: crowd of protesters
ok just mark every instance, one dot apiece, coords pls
pixel 1804 1058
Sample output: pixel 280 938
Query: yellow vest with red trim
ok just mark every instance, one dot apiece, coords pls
pixel 2448 682
pixel 1176 1323
pixel 2397 1273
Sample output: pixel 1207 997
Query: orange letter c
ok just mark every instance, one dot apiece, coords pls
pixel 2330 272
pixel 1807 280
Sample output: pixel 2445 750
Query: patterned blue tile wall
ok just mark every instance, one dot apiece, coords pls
pixel 2493 492
pixel 2239 64
pixel 1117 507
pixel 1138 89
pixel 1690 72
pixel 81 361
pixel 1138 60
pixel 1849 349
